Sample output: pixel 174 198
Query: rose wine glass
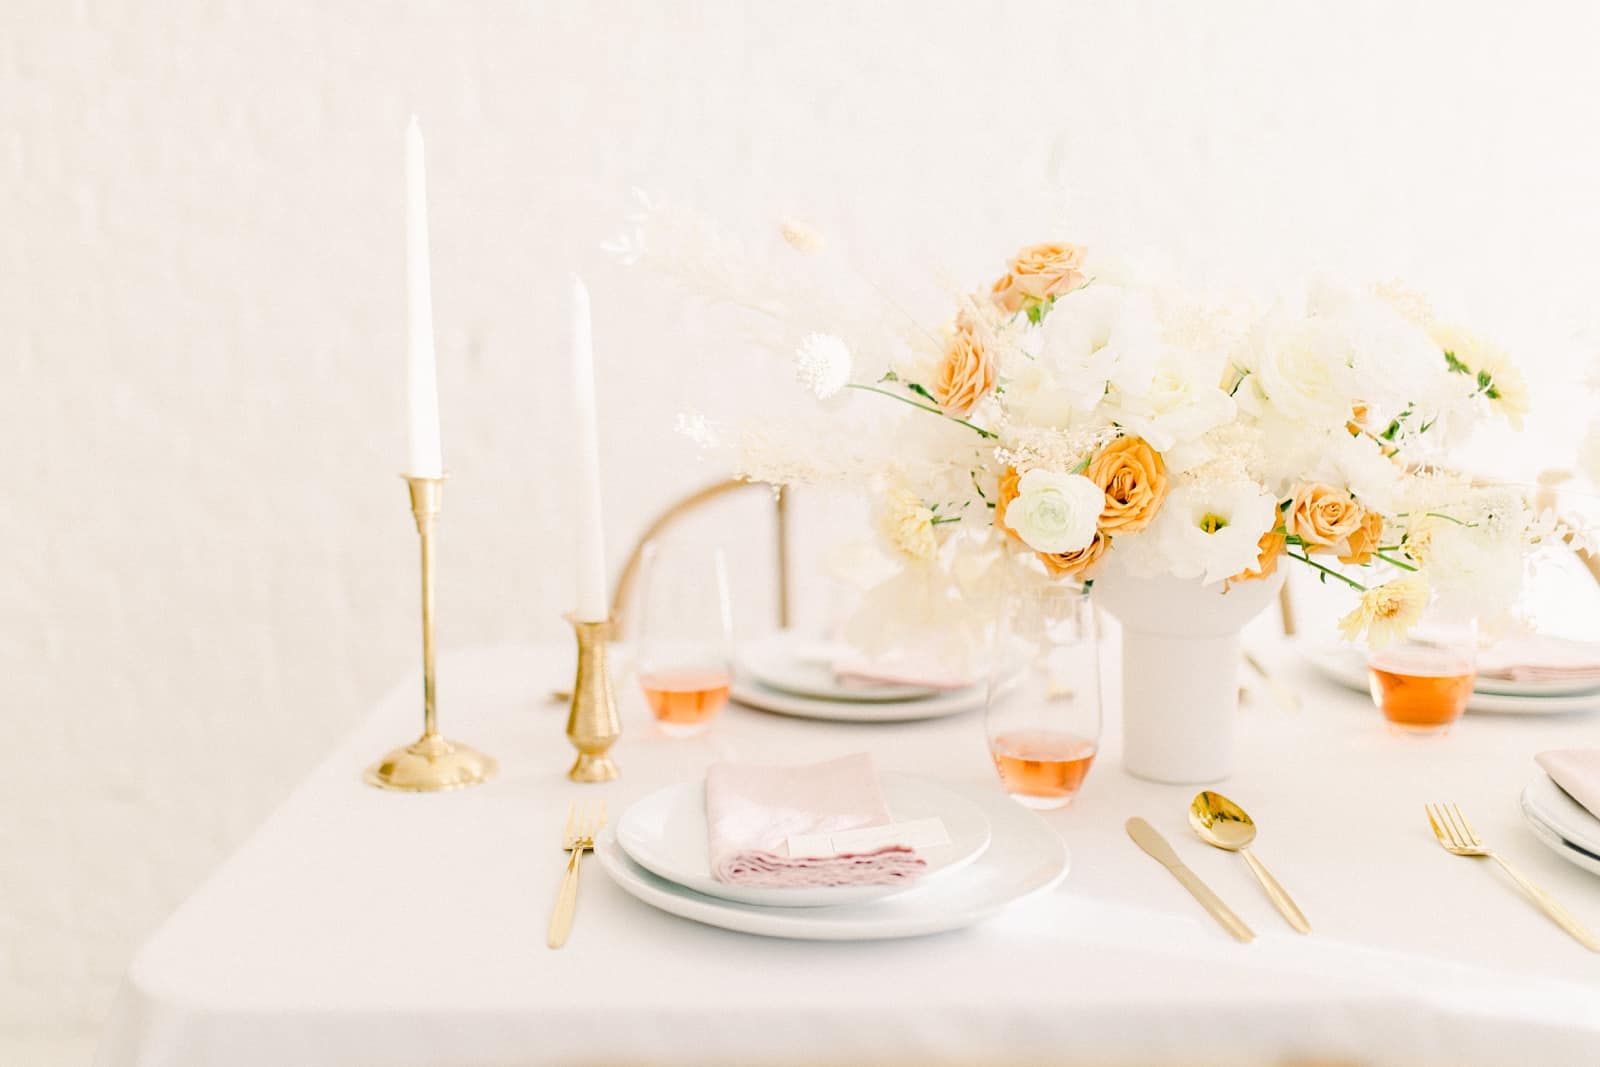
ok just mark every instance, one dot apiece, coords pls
pixel 1043 713
pixel 685 637
pixel 1422 682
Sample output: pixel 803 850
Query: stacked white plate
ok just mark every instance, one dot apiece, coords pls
pixel 1348 667
pixel 792 674
pixel 1562 823
pixel 998 854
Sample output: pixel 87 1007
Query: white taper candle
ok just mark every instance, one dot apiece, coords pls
pixel 592 606
pixel 424 458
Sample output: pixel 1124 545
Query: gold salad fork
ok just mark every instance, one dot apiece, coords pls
pixel 577 838
pixel 1458 837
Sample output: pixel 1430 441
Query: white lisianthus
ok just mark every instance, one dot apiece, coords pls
pixel 822 364
pixel 1098 336
pixel 1300 369
pixel 1210 532
pixel 1054 512
pixel 1179 403
pixel 1360 465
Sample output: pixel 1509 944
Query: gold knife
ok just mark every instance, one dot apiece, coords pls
pixel 1148 838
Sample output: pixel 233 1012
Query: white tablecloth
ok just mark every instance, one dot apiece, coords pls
pixel 359 927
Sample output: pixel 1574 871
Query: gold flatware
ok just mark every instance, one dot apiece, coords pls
pixel 577 838
pixel 1146 837
pixel 1458 837
pixel 1220 822
pixel 1280 692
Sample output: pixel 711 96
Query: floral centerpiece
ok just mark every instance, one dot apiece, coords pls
pixel 1072 422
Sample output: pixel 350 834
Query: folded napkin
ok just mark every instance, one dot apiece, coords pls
pixel 1576 770
pixel 1541 658
pixel 908 671
pixel 752 810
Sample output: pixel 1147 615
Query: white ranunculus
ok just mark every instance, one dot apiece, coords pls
pixel 1098 336
pixel 1205 532
pixel 1055 512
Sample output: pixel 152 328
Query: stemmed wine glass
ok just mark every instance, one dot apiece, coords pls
pixel 685 636
pixel 1043 713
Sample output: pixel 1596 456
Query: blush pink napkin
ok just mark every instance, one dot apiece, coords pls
pixel 1541 658
pixel 752 810
pixel 919 673
pixel 1576 770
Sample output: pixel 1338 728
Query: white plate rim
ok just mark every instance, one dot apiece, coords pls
pixel 1551 837
pixel 1337 668
pixel 873 921
pixel 748 656
pixel 753 694
pixel 833 896
pixel 1546 801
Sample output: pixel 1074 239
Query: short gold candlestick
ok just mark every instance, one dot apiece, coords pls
pixel 592 725
pixel 430 763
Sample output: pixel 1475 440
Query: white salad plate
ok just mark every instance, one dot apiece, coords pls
pixel 799 665
pixel 753 694
pixel 1562 823
pixel 1025 856
pixel 1348 667
pixel 665 833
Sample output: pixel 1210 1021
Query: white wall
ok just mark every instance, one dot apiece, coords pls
pixel 208 561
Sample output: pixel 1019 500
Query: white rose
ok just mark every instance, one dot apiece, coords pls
pixel 1300 369
pixel 1055 512
pixel 1096 336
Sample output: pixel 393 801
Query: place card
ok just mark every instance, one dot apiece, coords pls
pixel 918 833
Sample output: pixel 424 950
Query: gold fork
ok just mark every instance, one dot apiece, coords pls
pixel 577 838
pixel 1458 837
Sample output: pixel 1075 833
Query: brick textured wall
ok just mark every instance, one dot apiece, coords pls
pixel 207 561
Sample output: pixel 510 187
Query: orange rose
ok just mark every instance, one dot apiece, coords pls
pixel 1134 479
pixel 966 372
pixel 1077 564
pixel 1272 544
pixel 1038 273
pixel 1008 493
pixel 1365 541
pixel 1324 518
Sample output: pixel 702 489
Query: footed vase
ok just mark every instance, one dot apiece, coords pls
pixel 1180 670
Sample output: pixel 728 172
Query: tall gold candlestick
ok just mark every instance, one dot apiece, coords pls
pixel 430 763
pixel 592 725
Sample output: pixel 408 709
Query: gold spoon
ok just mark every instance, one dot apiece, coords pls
pixel 1220 822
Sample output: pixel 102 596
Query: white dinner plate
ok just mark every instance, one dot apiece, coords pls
pixel 665 833
pixel 800 665
pixel 1348 667
pixel 753 694
pixel 1562 823
pixel 1025 856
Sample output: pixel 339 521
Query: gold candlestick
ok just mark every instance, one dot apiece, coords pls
pixel 430 763
pixel 592 725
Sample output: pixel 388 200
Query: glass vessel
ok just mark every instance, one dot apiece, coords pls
pixel 685 637
pixel 1043 711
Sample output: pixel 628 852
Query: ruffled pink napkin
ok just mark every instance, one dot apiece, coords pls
pixel 752 810
pixel 1576 770
pixel 922 673
pixel 1541 658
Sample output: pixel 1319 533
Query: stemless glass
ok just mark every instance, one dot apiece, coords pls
pixel 1043 712
pixel 685 636
pixel 1422 682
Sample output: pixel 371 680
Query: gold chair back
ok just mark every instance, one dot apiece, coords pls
pixel 686 506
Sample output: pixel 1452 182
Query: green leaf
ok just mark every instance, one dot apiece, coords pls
pixel 1455 364
pixel 920 391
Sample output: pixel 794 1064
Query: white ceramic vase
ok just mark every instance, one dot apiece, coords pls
pixel 1180 670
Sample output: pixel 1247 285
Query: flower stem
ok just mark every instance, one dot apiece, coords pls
pixel 1394 562
pixel 979 430
pixel 1351 582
